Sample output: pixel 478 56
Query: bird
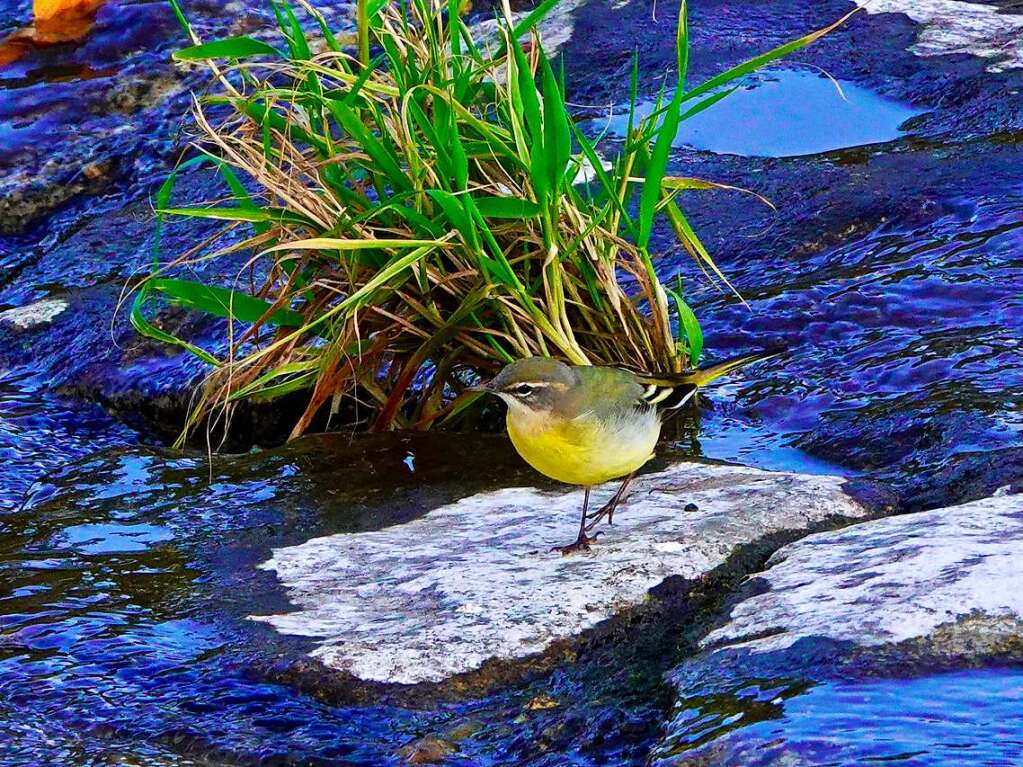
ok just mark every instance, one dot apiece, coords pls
pixel 585 424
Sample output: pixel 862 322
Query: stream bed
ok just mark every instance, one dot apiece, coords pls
pixel 892 282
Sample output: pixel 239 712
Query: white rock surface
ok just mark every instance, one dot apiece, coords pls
pixel 476 579
pixel 889 580
pixel 555 29
pixel 954 26
pixel 30 315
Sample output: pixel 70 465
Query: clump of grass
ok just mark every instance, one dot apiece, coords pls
pixel 433 210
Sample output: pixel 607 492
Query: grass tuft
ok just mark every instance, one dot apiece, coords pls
pixel 428 211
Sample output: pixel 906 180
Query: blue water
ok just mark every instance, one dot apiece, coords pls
pixel 116 638
pixel 962 718
pixel 900 349
pixel 784 113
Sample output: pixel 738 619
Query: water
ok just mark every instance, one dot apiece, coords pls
pixel 968 717
pixel 128 569
pixel 123 630
pixel 900 350
pixel 115 644
pixel 784 113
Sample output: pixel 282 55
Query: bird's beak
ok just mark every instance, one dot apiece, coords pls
pixel 482 388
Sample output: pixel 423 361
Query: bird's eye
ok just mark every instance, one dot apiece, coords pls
pixel 523 390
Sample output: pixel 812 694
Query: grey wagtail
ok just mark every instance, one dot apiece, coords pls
pixel 585 425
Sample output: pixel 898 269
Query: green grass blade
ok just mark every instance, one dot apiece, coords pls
pixel 331 243
pixel 682 45
pixel 250 214
pixel 689 325
pixel 232 47
pixel 658 162
pixel 223 302
pixel 145 328
pixel 758 62
pixel 557 137
pixel 506 207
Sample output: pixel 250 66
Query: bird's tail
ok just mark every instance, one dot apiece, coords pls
pixel 700 378
pixel 683 386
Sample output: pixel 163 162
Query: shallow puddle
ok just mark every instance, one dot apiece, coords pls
pixel 784 113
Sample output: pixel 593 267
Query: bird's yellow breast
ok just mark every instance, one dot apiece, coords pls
pixel 583 451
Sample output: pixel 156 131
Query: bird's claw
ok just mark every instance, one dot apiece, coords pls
pixel 582 543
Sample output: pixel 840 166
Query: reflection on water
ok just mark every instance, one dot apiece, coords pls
pixel 968 717
pixel 40 434
pixel 784 113
pixel 112 538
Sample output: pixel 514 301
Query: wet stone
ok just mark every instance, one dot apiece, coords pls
pixel 866 644
pixel 907 579
pixel 38 313
pixel 952 26
pixel 427 750
pixel 475 582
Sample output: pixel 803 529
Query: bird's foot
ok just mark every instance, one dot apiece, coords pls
pixel 582 543
pixel 600 513
pixel 607 510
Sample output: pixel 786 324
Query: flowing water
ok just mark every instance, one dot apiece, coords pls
pixel 128 569
pixel 965 717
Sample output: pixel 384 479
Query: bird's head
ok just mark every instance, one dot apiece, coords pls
pixel 534 384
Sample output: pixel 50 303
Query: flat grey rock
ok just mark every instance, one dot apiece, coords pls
pixel 954 26
pixel 476 580
pixel 956 570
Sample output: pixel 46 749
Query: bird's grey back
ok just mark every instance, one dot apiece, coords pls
pixel 607 392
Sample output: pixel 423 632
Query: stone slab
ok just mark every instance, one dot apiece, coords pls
pixel 476 580
pixel 889 580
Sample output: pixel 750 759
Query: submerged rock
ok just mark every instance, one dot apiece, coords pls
pixel 427 750
pixel 474 585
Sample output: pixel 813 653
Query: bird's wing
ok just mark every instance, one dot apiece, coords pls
pixel 607 391
pixel 665 393
pixel 611 391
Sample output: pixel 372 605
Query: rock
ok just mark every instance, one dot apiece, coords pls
pixel 464 730
pixel 427 750
pixel 950 26
pixel 542 702
pixel 555 29
pixel 854 643
pixel 474 584
pixel 39 313
pixel 948 580
pixel 966 477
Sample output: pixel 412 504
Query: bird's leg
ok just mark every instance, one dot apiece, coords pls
pixel 583 541
pixel 608 509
